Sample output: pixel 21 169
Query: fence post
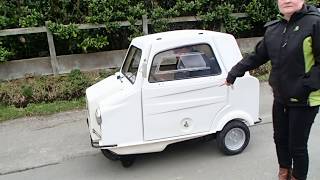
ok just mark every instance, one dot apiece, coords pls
pixel 145 24
pixel 52 49
pixel 222 28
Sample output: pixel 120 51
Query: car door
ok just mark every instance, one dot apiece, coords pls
pixel 183 92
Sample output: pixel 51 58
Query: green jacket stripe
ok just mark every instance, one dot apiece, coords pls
pixel 308 55
pixel 314 97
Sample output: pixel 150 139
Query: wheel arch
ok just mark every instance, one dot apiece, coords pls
pixel 237 115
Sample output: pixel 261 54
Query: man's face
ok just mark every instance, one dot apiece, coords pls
pixel 288 7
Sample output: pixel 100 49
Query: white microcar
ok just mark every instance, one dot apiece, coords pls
pixel 170 89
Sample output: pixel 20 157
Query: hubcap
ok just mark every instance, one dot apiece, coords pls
pixel 235 139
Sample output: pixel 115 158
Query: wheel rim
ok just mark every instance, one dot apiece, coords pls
pixel 235 139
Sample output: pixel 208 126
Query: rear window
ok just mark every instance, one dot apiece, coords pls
pixel 184 63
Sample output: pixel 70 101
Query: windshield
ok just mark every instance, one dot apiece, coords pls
pixel 131 64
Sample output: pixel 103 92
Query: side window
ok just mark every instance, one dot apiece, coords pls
pixel 184 63
pixel 131 64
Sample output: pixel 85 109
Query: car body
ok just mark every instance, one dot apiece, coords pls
pixel 170 89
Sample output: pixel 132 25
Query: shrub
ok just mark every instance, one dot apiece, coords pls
pixel 64 15
pixel 261 11
pixel 76 85
pixel 21 92
pixel 262 70
pixel 5 54
pixel 26 91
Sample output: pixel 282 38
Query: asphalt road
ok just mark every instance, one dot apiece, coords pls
pixel 57 147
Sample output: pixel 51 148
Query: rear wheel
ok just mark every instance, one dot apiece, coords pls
pixel 233 138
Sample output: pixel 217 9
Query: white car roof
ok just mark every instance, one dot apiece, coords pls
pixel 175 35
pixel 225 43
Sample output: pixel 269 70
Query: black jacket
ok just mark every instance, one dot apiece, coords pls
pixel 294 50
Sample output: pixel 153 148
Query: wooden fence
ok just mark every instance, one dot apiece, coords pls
pixel 144 22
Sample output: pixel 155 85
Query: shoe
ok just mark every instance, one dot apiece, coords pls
pixel 284 174
pixel 293 178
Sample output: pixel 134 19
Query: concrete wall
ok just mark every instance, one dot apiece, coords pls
pixel 247 45
pixel 85 62
pixel 92 61
pixel 42 66
pixel 27 67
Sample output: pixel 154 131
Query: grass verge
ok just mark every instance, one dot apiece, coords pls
pixel 11 112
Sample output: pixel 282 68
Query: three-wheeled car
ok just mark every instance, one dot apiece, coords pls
pixel 170 89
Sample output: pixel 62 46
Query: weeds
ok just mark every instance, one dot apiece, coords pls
pixel 11 112
pixel 46 89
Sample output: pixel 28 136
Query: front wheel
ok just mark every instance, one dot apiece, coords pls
pixel 110 155
pixel 233 138
pixel 127 161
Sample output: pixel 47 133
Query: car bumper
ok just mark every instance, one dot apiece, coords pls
pixel 96 144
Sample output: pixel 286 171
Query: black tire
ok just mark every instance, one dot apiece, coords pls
pixel 239 134
pixel 127 161
pixel 110 155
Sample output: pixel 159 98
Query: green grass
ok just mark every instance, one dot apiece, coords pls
pixel 11 112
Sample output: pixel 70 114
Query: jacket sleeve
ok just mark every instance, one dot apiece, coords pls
pixel 254 60
pixel 312 80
